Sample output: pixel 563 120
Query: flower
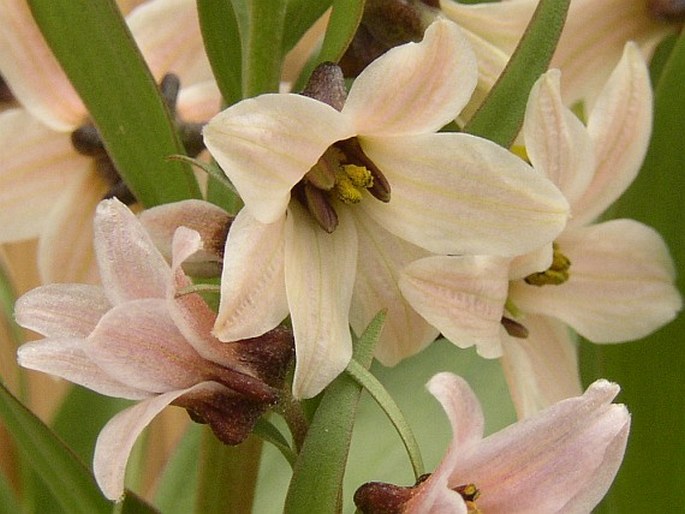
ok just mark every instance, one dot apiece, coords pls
pixel 134 338
pixel 319 184
pixel 610 281
pixel 48 188
pixel 561 460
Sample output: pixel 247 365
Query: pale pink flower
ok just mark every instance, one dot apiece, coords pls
pixel 562 460
pixel 134 338
pixel 620 283
pixel 446 192
pixel 49 190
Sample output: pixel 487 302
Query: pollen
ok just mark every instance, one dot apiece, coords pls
pixel 350 181
pixel 556 274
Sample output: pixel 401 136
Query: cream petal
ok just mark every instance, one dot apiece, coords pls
pixel 62 310
pixel 253 298
pixel 38 164
pixel 130 265
pixel 538 260
pixel 319 277
pixel 168 34
pixel 543 462
pixel 199 102
pixel 557 143
pixel 415 88
pixel 32 72
pixel 65 248
pixel 380 259
pixel 463 297
pixel 456 193
pixel 620 125
pixel 541 369
pixel 66 358
pixel 620 286
pixel 266 144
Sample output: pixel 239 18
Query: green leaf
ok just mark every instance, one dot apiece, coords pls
pixel 177 489
pixel 133 504
pixel 266 431
pixel 300 15
pixel 9 503
pixel 92 43
pixel 344 21
pixel 500 116
pixel 316 485
pixel 650 371
pixel 64 474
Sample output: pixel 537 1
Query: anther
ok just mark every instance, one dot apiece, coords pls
pixel 514 328
pixel 556 274
pixel 352 149
pixel 320 208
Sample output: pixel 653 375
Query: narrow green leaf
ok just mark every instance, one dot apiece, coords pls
pixel 300 15
pixel 650 371
pixel 344 21
pixel 92 43
pixel 9 504
pixel 177 489
pixel 266 431
pixel 316 485
pixel 500 116
pixel 66 477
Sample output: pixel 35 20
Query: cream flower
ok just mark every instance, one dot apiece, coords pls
pixel 47 188
pixel 134 338
pixel 319 183
pixel 562 460
pixel 611 281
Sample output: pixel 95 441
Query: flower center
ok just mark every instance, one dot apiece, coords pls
pixel 556 274
pixel 470 493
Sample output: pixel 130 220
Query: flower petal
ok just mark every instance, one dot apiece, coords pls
pixel 463 297
pixel 319 277
pixel 253 298
pixel 130 265
pixel 66 358
pixel 32 72
pixel 415 88
pixel 620 125
pixel 199 102
pixel 542 368
pixel 557 143
pixel 265 145
pixel 456 193
pixel 62 310
pixel 37 164
pixel 381 257
pixel 620 286
pixel 538 260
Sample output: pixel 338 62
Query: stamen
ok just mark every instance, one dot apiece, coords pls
pixel 352 149
pixel 470 493
pixel 556 274
pixel 350 181
pixel 320 208
pixel 514 328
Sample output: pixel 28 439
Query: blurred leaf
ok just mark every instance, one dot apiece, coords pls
pixel 500 116
pixel 133 504
pixel 9 503
pixel 92 43
pixel 345 19
pixel 650 371
pixel 300 15
pixel 66 477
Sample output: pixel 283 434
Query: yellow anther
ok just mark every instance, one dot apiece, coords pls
pixel 350 181
pixel 358 175
pixel 556 274
pixel 346 191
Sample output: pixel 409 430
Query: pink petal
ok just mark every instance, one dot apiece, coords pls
pixel 381 257
pixel 620 286
pixel 538 260
pixel 319 276
pixel 62 310
pixel 199 102
pixel 130 265
pixel 253 299
pixel 431 82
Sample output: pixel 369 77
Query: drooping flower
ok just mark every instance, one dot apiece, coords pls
pixel 50 178
pixel 561 460
pixel 134 338
pixel 326 185
pixel 611 281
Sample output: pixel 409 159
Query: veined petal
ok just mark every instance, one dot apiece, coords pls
pixel 38 162
pixel 542 463
pixel 130 265
pixel 620 285
pixel 66 358
pixel 541 369
pixel 557 143
pixel 32 72
pixel 463 297
pixel 62 310
pixel 168 35
pixel 65 247
pixel 266 144
pixel 319 277
pixel 253 298
pixel 381 257
pixel 415 88
pixel 620 125
pixel 456 193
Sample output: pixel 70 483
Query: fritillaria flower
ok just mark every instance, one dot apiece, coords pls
pixel 327 182
pixel 610 281
pixel 562 460
pixel 135 338
pixel 55 170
